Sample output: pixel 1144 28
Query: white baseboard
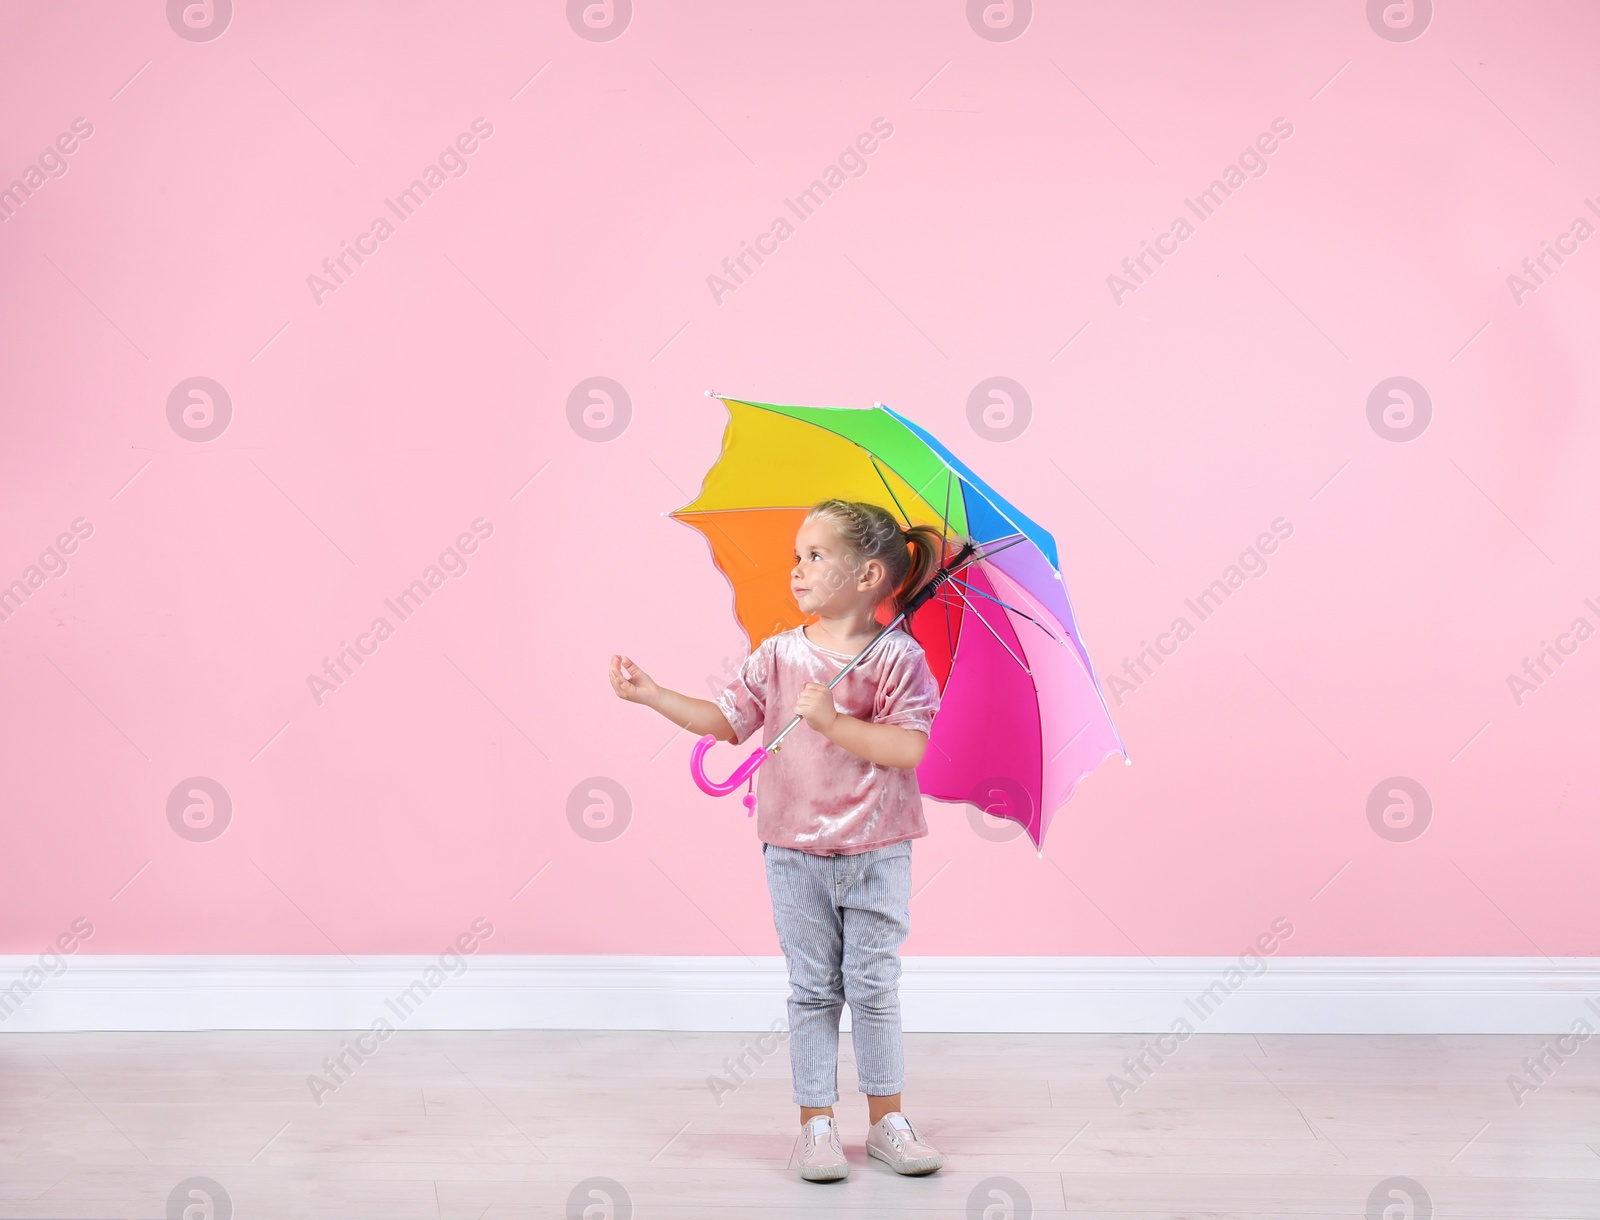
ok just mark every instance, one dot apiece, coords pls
pixel 1370 995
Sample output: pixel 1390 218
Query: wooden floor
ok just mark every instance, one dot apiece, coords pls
pixel 486 1126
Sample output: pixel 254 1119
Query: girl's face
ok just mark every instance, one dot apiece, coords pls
pixel 826 575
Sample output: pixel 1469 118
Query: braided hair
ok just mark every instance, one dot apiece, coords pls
pixel 910 556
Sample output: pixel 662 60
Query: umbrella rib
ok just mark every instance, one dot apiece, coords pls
pixel 996 635
pixel 1037 711
pixel 1016 540
pixel 1010 607
pixel 873 458
pixel 944 528
pixel 960 585
pixel 949 631
pixel 905 423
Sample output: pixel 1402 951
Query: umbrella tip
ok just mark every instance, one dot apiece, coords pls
pixel 711 393
pixel 1126 761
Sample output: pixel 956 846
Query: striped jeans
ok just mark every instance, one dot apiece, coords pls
pixel 840 922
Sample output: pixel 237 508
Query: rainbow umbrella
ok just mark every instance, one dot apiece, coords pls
pixel 1022 718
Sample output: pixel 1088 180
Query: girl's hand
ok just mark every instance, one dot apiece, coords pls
pixel 632 683
pixel 815 705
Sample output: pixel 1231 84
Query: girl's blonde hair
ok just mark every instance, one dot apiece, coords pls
pixel 910 556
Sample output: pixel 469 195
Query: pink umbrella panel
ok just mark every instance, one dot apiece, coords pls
pixel 1021 720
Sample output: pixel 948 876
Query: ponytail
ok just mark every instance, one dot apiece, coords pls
pixel 926 547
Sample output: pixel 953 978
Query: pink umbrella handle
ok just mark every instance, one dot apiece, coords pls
pixel 711 787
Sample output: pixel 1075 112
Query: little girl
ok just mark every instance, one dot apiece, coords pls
pixel 837 806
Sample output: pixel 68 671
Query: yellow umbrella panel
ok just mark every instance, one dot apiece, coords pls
pixel 774 467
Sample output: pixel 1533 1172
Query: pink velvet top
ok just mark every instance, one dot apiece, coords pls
pixel 814 795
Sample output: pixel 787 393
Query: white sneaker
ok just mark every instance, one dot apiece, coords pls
pixel 821 1155
pixel 892 1138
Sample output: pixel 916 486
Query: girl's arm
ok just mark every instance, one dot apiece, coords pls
pixel 699 716
pixel 888 745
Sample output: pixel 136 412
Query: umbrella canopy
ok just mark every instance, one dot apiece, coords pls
pixel 1021 719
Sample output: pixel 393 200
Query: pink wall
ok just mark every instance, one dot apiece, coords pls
pixel 374 424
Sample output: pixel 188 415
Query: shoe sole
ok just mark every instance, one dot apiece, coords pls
pixel 823 1173
pixel 913 1167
